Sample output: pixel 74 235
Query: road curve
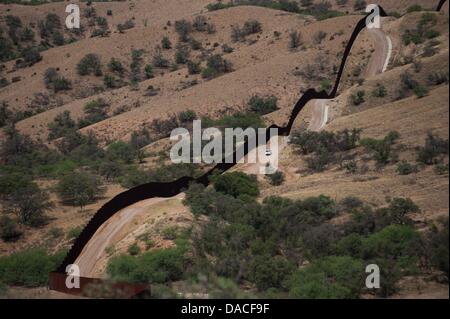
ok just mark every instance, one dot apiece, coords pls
pixel 378 63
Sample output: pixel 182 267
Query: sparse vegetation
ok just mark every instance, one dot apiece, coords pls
pixel 89 64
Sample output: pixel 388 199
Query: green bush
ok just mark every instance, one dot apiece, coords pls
pixel 8 229
pixel 262 105
pixel 182 54
pixel 116 66
pixel 79 188
pixel 95 111
pixel 295 39
pixel 358 98
pixel 89 64
pixel 30 204
pixel 438 246
pixel 29 268
pixel 183 28
pixel 193 67
pixel 74 233
pixel 276 178
pixel 404 168
pixel 165 43
pixel 149 71
pixel 269 272
pixel 157 266
pixel 380 91
pixel 434 148
pixel 120 151
pixel 134 250
pixel 61 125
pixel 236 184
pixel 381 149
pixel 331 278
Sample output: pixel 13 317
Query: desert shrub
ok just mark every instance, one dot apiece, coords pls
pixel 262 105
pixel 358 98
pixel 58 38
pixel 187 116
pixel 183 28
pixel 251 27
pixel 227 49
pixel 129 24
pixel 294 39
pixel 325 85
pixel 182 54
pixel 218 6
pixel 441 169
pixel 134 249
pixel 79 188
pixel 269 272
pixel 30 57
pixel 276 178
pixel 395 242
pixel 5 114
pixel 89 64
pixel 159 61
pixel 61 84
pixel 74 233
pixel 350 203
pixel 438 77
pixel 236 120
pixel 329 277
pixel 309 142
pixel 120 151
pixel 381 149
pixel 320 160
pixel 158 266
pixel 8 229
pixel 404 168
pixel 29 268
pixel 236 184
pixel 216 65
pixel 56 82
pixel 62 123
pixel 199 24
pixel 165 43
pixel 359 5
pixel 193 67
pixel 438 246
pixel 194 44
pixel 116 66
pixel 319 36
pixel 140 138
pixel 110 170
pixel 95 112
pixel 422 31
pixel 433 148
pixel 379 91
pixel 109 81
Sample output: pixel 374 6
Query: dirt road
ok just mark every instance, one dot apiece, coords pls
pixel 111 232
pixel 377 64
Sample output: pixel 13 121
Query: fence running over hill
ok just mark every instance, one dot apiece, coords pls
pixel 170 189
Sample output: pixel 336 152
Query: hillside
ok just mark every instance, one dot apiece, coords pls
pixel 72 139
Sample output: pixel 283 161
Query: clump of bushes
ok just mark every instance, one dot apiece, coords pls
pixel 55 81
pixel 381 149
pixel 216 65
pixel 29 268
pixel 250 27
pixel 89 64
pixel 358 97
pixel 262 105
pixel 79 189
pixel 422 31
pixel 276 178
pixel 434 148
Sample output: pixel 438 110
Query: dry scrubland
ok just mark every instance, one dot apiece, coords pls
pixel 142 105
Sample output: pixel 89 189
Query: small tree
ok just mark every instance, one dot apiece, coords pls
pixel 276 178
pixel 30 204
pixel 79 188
pixel 183 28
pixel 8 229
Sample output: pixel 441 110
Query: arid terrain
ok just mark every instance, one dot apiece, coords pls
pixel 88 116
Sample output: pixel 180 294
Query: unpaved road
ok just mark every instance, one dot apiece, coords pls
pixel 111 232
pixel 378 63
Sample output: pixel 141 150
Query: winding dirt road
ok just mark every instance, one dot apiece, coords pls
pixel 378 63
pixel 111 232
